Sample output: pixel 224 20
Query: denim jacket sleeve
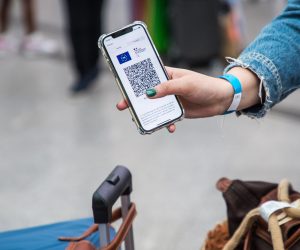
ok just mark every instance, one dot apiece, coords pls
pixel 274 56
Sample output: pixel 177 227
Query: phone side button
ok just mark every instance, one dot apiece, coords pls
pixel 120 88
pixel 132 116
pixel 109 65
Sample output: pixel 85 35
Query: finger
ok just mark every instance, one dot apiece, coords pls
pixel 172 128
pixel 176 72
pixel 172 87
pixel 122 105
pixel 170 71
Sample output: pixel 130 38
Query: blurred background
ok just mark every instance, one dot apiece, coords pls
pixel 61 135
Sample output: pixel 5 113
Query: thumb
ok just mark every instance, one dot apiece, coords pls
pixel 171 87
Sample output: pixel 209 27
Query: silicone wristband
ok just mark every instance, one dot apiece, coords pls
pixel 237 87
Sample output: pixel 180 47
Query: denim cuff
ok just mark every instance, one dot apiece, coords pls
pixel 269 77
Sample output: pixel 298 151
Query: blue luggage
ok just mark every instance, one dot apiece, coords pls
pixel 46 237
pixel 98 236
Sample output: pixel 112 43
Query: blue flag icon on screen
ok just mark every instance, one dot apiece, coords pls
pixel 124 57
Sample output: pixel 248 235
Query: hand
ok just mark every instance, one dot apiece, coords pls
pixel 200 95
pixel 204 96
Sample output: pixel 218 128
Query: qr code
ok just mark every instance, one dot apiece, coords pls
pixel 142 76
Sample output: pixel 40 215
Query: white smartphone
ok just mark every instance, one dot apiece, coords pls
pixel 136 65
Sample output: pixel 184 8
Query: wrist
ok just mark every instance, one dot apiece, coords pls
pixel 226 95
pixel 250 86
pixel 237 87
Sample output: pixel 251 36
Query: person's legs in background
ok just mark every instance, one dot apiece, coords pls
pixel 4 10
pixel 29 16
pixel 34 43
pixel 6 45
pixel 84 18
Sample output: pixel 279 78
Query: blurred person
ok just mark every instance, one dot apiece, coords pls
pixel 198 21
pixel 268 70
pixel 33 43
pixel 232 22
pixel 84 18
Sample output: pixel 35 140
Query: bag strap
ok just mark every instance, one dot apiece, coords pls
pixel 251 217
pixel 117 214
pixel 81 245
pixel 86 234
pixel 123 230
pixel 244 227
pixel 119 238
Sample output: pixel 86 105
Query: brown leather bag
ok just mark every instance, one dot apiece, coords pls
pixel 80 243
pixel 245 229
pixel 117 185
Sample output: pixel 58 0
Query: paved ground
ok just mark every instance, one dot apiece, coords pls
pixel 56 149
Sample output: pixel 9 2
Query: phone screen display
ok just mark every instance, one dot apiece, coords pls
pixel 139 68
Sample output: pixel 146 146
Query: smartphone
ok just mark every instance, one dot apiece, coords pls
pixel 136 65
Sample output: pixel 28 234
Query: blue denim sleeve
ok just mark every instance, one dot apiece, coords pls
pixel 274 56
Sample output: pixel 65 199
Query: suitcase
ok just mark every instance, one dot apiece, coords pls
pixel 46 237
pixel 99 235
pixel 195 31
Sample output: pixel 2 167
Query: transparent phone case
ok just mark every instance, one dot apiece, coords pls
pixel 118 81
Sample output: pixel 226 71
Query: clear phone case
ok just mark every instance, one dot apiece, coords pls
pixel 119 83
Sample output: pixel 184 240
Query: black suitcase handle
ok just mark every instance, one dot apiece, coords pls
pixel 117 184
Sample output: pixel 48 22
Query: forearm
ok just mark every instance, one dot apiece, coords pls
pixel 274 58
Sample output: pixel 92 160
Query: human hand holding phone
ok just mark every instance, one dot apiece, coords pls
pixel 136 66
pixel 200 95
pixel 204 96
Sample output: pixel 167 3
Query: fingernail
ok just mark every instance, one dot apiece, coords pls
pixel 150 92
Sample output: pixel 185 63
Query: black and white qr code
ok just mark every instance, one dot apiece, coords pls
pixel 142 76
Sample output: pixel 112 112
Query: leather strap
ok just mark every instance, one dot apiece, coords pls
pixel 78 243
pixel 117 214
pixel 295 238
pixel 86 234
pixel 123 230
pixel 81 245
pixel 248 240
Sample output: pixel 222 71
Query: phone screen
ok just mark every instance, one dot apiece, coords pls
pixel 139 68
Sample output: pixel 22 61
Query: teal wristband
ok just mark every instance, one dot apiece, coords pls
pixel 237 87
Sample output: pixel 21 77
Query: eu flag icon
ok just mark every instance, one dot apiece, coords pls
pixel 124 57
